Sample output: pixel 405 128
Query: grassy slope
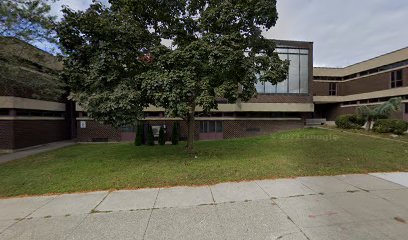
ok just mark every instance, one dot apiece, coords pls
pixel 114 166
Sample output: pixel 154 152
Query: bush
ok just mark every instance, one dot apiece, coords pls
pixel 175 134
pixel 395 126
pixel 162 139
pixel 349 121
pixel 139 135
pixel 150 136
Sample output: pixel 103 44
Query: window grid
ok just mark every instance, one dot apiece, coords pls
pixel 332 89
pixel 396 79
pixel 211 126
pixel 284 87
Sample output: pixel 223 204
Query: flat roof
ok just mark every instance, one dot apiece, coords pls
pixel 382 60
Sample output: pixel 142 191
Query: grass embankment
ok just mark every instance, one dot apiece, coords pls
pixel 88 167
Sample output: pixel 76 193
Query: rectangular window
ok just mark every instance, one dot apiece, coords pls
pixel 332 89
pixel 203 126
pixel 396 79
pixel 4 112
pixel 219 127
pixel 406 108
pixel 294 73
pixel 211 127
pixel 297 81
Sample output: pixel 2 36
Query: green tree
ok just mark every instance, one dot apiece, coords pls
pixel 28 20
pixel 117 66
pixel 219 52
pixel 104 55
pixel 380 112
pixel 162 137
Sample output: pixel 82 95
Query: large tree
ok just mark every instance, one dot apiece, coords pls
pixel 28 20
pixel 115 60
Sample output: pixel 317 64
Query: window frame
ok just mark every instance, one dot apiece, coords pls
pixel 206 126
pixel 332 91
pixel 396 79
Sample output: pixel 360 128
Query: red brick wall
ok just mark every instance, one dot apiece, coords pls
pixel 232 129
pixel 377 82
pixel 35 132
pixel 332 111
pixel 95 130
pixel 285 98
pixel 16 134
pixel 249 128
pixel 6 135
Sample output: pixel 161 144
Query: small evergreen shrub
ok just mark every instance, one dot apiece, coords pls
pixel 150 136
pixel 175 134
pixel 139 135
pixel 162 139
pixel 349 121
pixel 395 126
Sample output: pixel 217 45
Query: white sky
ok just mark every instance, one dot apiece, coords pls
pixel 343 31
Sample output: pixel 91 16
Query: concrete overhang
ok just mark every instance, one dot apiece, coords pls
pixel 254 107
pixel 354 97
pixel 10 102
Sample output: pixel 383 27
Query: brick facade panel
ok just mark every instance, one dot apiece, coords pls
pixel 332 111
pixel 6 135
pixel 265 98
pixel 97 131
pixel 377 82
pixel 320 88
pixel 15 134
pixel 249 128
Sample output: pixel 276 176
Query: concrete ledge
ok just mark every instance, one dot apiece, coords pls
pixel 28 103
pixel 28 118
pixel 354 97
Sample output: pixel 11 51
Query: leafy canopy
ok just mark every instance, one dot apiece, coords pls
pixel 380 112
pixel 117 65
pixel 27 20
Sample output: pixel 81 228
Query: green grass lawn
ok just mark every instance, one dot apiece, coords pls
pixel 372 133
pixel 302 152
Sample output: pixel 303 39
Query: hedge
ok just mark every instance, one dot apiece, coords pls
pixel 395 126
pixel 349 121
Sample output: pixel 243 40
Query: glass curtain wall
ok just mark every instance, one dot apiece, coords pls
pixel 298 77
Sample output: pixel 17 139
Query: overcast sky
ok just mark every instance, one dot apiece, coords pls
pixel 343 31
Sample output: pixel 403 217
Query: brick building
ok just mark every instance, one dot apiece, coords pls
pixel 27 119
pixel 277 107
pixel 31 114
pixel 339 91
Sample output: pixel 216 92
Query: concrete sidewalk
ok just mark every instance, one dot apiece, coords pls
pixel 337 207
pixel 34 150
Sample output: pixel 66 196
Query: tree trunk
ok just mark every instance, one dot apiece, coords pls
pixel 191 128
pixel 368 126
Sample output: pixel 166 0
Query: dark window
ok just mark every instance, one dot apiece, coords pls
pixel 38 113
pixel 4 112
pixel 332 89
pixel 396 79
pixel 211 126
pixel 406 108
pixel 203 126
pixel 128 129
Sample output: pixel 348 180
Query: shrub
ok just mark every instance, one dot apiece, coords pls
pixel 175 134
pixel 349 121
pixel 139 135
pixel 395 126
pixel 162 139
pixel 150 136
